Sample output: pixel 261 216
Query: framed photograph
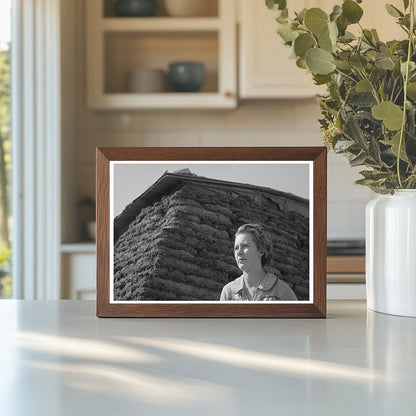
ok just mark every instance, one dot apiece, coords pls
pixel 211 232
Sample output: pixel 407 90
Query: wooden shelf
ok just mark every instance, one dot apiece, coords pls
pixel 160 24
pixel 80 247
pixel 346 264
pixel 345 269
pixel 164 100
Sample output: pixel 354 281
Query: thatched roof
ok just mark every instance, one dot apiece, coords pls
pixel 170 181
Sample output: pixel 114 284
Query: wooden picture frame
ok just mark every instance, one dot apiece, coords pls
pixel 121 288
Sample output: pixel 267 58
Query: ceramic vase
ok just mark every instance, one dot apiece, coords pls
pixel 391 253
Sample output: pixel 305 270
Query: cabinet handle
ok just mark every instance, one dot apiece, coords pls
pixel 229 94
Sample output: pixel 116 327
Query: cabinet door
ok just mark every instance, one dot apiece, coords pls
pixel 266 71
pixel 78 276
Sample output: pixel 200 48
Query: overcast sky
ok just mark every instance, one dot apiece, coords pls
pixel 132 179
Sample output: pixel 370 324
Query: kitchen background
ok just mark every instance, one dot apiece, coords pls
pixel 283 120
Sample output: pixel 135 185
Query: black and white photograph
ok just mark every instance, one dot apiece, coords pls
pixel 211 231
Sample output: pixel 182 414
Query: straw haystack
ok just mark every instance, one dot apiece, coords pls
pixel 175 241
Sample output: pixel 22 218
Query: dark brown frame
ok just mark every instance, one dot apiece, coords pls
pixel 317 309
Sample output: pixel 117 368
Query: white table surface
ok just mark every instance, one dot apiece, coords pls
pixel 57 358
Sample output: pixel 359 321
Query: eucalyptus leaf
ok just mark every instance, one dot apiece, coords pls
pixel 369 36
pixel 358 160
pixel 303 43
pixel 333 32
pixel 391 114
pixel 281 19
pixel 345 65
pixel 287 33
pixel 393 11
pixel 374 174
pixel 374 150
pixel 319 61
pixel 316 20
pixel 365 182
pixel 395 142
pixel 325 42
pixel 336 12
pixel 382 89
pixel 411 90
pixel 347 37
pixel 351 11
pixel 354 132
pixel 321 79
pixel 412 67
pixel 384 62
pixel 385 50
pixel 375 35
pixel 405 21
pixel 363 86
pixel 342 25
pixel 301 15
pixel 343 145
pixel 276 4
pixel 358 61
pixel 301 63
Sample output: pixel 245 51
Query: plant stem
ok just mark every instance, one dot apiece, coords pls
pixel 346 75
pixel 405 81
pixel 373 88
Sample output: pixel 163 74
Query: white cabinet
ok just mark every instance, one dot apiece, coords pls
pixel 78 262
pixel 265 70
pixel 118 45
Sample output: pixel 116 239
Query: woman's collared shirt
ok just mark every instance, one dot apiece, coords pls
pixel 271 289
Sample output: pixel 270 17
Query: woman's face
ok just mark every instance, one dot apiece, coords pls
pixel 246 253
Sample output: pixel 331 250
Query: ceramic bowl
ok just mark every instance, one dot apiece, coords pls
pixel 135 8
pixel 92 230
pixel 186 76
pixel 147 80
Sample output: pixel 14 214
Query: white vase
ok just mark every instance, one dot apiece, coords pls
pixel 391 253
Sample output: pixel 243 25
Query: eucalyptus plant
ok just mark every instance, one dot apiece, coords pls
pixel 369 111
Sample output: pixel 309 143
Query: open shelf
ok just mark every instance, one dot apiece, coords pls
pixel 118 45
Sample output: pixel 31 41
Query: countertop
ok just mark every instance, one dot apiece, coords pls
pixel 57 358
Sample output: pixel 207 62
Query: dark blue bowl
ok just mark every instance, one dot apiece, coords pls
pixel 186 76
pixel 135 8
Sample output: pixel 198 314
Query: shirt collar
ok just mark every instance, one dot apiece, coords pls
pixel 269 280
pixel 237 285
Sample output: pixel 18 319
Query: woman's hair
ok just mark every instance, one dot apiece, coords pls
pixel 262 241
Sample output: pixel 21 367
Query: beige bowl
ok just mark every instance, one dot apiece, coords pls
pixel 147 80
pixel 92 230
pixel 191 8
